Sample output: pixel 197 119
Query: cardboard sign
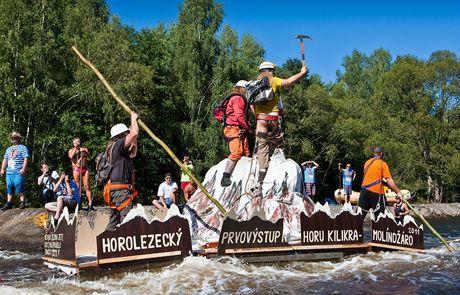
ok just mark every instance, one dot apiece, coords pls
pixel 60 243
pixel 138 239
pixel 321 229
pixel 253 233
pixel 387 232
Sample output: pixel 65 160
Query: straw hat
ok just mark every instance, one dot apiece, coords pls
pixel 15 135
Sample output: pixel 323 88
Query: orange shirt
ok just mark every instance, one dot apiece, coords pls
pixel 377 170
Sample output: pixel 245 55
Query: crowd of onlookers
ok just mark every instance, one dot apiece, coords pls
pixel 59 190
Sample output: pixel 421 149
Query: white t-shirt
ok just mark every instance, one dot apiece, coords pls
pixel 166 190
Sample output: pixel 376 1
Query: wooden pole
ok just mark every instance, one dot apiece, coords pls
pixel 147 129
pixel 428 225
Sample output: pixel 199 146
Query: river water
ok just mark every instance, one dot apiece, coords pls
pixel 435 271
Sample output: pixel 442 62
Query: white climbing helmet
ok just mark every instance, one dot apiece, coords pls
pixel 118 129
pixel 266 65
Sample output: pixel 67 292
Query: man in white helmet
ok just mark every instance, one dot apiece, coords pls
pixel 268 132
pixel 119 191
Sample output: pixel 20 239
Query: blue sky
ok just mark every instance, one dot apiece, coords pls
pixel 402 27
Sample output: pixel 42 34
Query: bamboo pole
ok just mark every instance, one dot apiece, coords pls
pixel 428 225
pixel 147 129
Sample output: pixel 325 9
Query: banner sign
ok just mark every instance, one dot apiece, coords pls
pixel 387 232
pixel 60 243
pixel 321 229
pixel 138 239
pixel 253 233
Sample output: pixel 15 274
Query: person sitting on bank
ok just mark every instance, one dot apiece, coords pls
pixel 372 194
pixel 348 175
pixel 48 179
pixel 309 179
pixel 68 195
pixel 167 193
pixel 400 209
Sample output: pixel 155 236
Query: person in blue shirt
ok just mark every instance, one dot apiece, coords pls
pixel 309 179
pixel 348 175
pixel 68 195
pixel 15 162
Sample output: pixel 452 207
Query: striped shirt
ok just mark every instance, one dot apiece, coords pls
pixel 15 156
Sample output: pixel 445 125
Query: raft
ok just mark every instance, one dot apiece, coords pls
pixel 354 198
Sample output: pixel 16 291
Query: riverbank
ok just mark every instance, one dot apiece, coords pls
pixel 22 230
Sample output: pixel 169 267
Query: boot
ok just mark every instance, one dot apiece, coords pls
pixel 228 172
pixel 225 180
pixel 23 205
pixel 92 208
pixel 7 206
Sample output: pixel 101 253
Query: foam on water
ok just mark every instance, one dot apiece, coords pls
pixel 229 275
pixel 12 255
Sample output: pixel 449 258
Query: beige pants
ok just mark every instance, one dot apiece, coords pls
pixel 266 143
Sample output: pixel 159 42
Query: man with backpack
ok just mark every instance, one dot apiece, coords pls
pixel 236 129
pixel 118 190
pixel 268 131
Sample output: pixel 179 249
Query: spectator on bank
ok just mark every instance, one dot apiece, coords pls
pixel 185 178
pixel 309 179
pixel 167 193
pixel 47 180
pixel 68 195
pixel 189 190
pixel 79 157
pixel 348 175
pixel 15 162
pixel 400 209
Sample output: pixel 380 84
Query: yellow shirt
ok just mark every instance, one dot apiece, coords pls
pixel 271 106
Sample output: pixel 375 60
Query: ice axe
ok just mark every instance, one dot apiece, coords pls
pixel 302 48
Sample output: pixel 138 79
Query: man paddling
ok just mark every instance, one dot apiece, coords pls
pixel 372 190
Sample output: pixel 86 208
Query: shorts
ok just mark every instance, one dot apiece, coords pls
pixel 310 189
pixel 347 190
pixel 15 183
pixel 368 200
pixel 69 202
pixel 168 202
pixel 184 184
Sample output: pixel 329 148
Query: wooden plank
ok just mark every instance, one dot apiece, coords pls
pixel 327 247
pixel 60 261
pixel 395 247
pixel 257 250
pixel 334 256
pixel 138 257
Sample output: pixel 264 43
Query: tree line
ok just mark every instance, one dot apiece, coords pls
pixel 174 74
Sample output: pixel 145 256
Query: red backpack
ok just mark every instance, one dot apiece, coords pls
pixel 220 111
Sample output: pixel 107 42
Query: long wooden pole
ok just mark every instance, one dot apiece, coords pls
pixel 147 129
pixel 428 225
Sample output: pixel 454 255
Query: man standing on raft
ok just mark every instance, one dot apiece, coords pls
pixel 268 131
pixel 372 190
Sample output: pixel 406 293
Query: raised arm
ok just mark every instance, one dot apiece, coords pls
pixel 294 78
pixel 133 131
